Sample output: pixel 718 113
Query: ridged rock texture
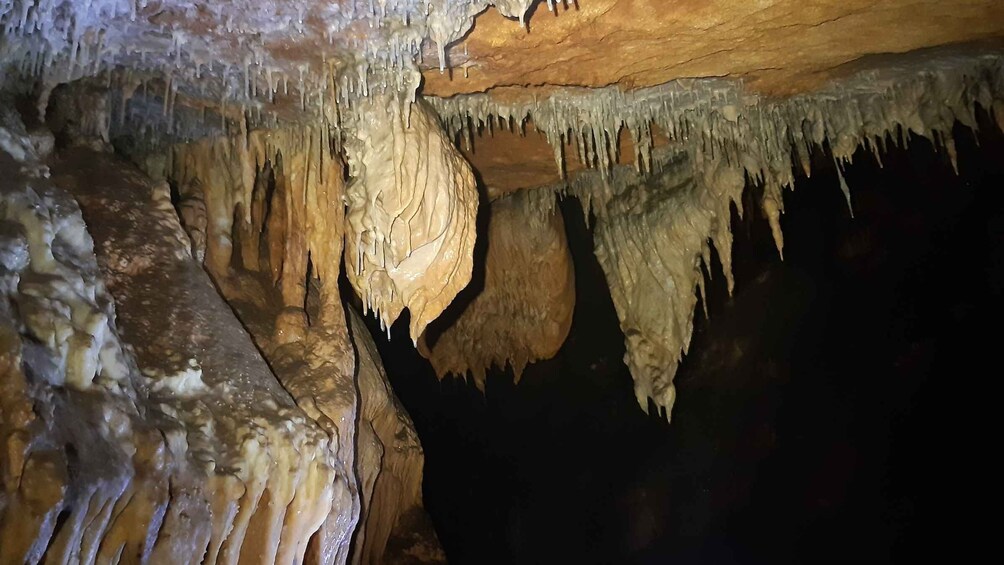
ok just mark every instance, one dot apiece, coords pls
pixel 522 312
pixel 412 207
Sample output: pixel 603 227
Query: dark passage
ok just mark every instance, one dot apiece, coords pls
pixel 827 412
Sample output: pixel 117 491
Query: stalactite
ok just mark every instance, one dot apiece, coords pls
pixel 412 204
pixel 651 240
pixel 524 310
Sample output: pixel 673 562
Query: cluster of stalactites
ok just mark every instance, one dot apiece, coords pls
pixel 411 209
pixel 523 312
pixel 719 136
pixel 266 201
pixel 359 48
pixel 412 203
pixel 651 241
pixel 716 118
pixel 297 211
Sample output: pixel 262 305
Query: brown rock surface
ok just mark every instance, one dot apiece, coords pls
pixel 508 160
pixel 524 310
pixel 780 46
pixel 295 192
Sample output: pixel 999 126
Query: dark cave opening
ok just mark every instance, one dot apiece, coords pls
pixel 825 411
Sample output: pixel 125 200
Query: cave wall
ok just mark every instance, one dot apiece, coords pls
pixel 181 444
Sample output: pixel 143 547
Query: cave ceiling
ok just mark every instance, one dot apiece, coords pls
pixel 777 47
pixel 286 57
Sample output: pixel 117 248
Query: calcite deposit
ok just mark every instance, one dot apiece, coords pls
pixel 411 212
pixel 183 184
pixel 651 248
pixel 523 311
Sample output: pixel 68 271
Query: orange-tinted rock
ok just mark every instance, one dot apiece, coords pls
pixel 781 46
pixel 508 160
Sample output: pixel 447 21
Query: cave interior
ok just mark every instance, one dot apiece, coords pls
pixel 498 281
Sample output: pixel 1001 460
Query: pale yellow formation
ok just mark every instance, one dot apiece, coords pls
pixel 412 204
pixel 524 311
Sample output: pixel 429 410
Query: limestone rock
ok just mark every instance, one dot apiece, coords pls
pixel 524 310
pixel 412 206
pixel 176 445
pixel 290 206
pixel 779 46
pixel 390 464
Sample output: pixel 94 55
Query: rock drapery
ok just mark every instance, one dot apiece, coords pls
pixel 651 242
pixel 412 207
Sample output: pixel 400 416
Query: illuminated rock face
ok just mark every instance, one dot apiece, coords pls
pixel 180 444
pixel 776 46
pixel 142 420
pixel 412 205
pixel 278 198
